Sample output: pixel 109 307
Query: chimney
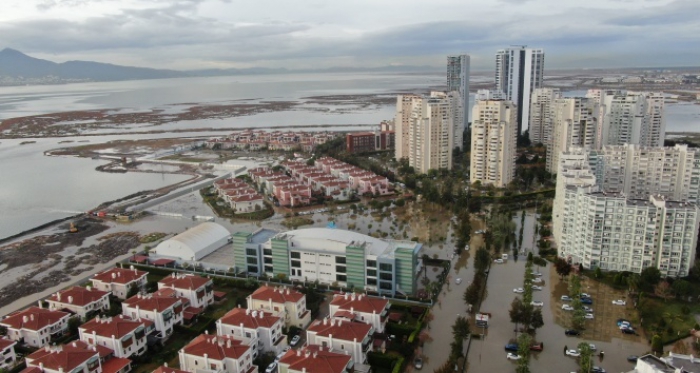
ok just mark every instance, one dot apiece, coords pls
pixel 346 296
pixel 315 354
pixel 165 364
pixel 89 288
pixel 58 296
pixel 325 321
pixel 31 317
pixel 70 299
pixel 114 275
pixel 298 352
pixel 228 343
pixel 74 344
pixel 40 305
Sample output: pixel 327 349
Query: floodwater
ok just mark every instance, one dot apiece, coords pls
pixel 488 355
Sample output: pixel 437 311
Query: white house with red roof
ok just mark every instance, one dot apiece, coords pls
pixel 83 302
pixel 287 303
pixel 166 369
pixel 315 359
pixel 221 354
pixel 119 281
pixel 342 336
pixel 165 312
pixel 8 357
pixel 197 289
pixel 35 326
pixel 360 307
pixel 258 328
pixel 124 336
pixel 75 357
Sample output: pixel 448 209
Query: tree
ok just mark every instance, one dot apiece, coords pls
pixel 657 347
pixel 461 328
pixel 524 343
pixel 681 288
pixel 680 347
pixel 663 290
pixel 563 268
pixel 536 320
pixel 471 295
pixel 516 312
pixel 649 277
pixel 633 282
pixel 586 359
pixel 482 259
pixel 598 273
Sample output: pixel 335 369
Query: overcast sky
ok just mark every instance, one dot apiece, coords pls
pixel 193 34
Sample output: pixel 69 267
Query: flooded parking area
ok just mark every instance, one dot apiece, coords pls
pixel 488 355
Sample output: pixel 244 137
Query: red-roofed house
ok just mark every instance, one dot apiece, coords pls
pixel 165 312
pixel 197 289
pixel 116 365
pixel 84 302
pixel 124 336
pixel 7 353
pixel 35 326
pixel 342 336
pixel 212 353
pixel 287 303
pixel 75 357
pixel 359 307
pixel 119 281
pixel 315 359
pixel 166 369
pixel 260 329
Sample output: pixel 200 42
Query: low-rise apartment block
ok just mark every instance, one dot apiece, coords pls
pixel 8 357
pixel 197 289
pixel 288 304
pixel 241 197
pixel 315 359
pixel 212 353
pixel 120 281
pixel 276 140
pixel 363 142
pixel 75 357
pixel 84 302
pixel 361 308
pixel 165 312
pixel 258 328
pixel 349 337
pixel 35 327
pixel 124 336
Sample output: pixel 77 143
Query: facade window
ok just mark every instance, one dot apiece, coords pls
pixel 372 263
pixel 251 252
pixel 252 269
pixel 250 260
pixel 296 263
pixel 295 255
pixel 386 276
pixel 268 269
pixel 372 272
pixel 267 260
pixel 372 281
pixel 340 259
pixel 267 251
pixel 340 277
pixel 340 269
pixel 386 266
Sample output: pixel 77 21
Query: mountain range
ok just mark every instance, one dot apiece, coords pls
pixel 19 68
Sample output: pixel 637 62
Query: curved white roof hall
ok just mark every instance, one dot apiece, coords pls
pixel 196 242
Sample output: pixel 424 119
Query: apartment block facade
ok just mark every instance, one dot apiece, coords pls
pixel 518 72
pixel 458 81
pixel 494 140
pixel 540 123
pixel 574 122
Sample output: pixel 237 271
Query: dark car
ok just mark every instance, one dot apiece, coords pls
pixel 572 332
pixel 513 347
pixel 537 347
pixel 628 331
pixel 597 370
pixel 418 362
pixel 632 358
pixel 586 301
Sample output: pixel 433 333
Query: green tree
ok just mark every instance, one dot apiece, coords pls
pixel 517 312
pixel 461 329
pixel 502 231
pixel 633 282
pixel 681 288
pixel 586 359
pixel 524 343
pixel 650 276
pixel 536 320
pixel 562 266
pixel 482 259
pixel 657 347
pixel 471 294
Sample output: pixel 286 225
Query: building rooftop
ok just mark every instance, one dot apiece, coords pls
pixel 251 319
pixel 345 330
pixel 119 275
pixel 152 302
pixel 336 240
pixel 65 358
pixel 33 318
pixel 359 303
pixel 216 347
pixel 165 369
pixel 5 343
pixel 115 364
pixel 185 281
pixel 277 295
pixel 315 359
pixel 78 295
pixel 118 326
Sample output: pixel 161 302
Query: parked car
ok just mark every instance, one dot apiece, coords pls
pixel 512 356
pixel 295 340
pixel 537 347
pixel 512 347
pixel 271 368
pixel 621 321
pixel 279 356
pixel 586 301
pixel 458 280
pixel 536 274
pixel 588 309
pixel 628 331
pixel 567 307
pixel 536 287
pixel 536 280
pixel 537 303
pixel 572 332
pixel 597 369
pixel 518 290
pixel 592 347
pixel 589 316
pixel 418 362
pixel 584 295
pixel 632 358
pixel 624 325
pixel 573 353
pixel 498 261
pixel 619 302
pixel 566 298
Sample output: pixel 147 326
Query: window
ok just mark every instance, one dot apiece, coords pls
pixel 295 255
pixel 252 269
pixel 342 278
pixel 250 260
pixel 268 269
pixel 267 251
pixel 296 263
pixel 251 252
pixel 372 272
pixel 386 276
pixel 340 259
pixel 340 269
pixel 267 260
pixel 386 266
pixel 372 281
pixel 372 263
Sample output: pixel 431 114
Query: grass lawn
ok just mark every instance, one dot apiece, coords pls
pixel 668 318
pixel 167 354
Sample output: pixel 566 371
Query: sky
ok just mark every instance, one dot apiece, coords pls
pixel 302 34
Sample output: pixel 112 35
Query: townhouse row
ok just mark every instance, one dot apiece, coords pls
pixel 277 140
pixel 241 197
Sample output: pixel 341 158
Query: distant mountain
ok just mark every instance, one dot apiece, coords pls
pixel 18 68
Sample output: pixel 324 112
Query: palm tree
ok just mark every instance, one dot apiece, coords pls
pixel 461 328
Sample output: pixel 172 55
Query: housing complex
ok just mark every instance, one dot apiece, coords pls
pixel 35 326
pixel 276 140
pixel 124 336
pixel 519 70
pixel 361 308
pixel 82 301
pixel 362 142
pixel 315 359
pixel 353 338
pixel 258 328
pixel 288 304
pixel 164 311
pixel 120 281
pixel 223 354
pixel 241 197
pixel 494 141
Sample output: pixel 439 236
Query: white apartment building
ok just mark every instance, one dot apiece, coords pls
pixel 540 127
pixel 361 308
pixel 258 328
pixel 341 336
pixel 574 124
pixel 119 281
pixel 405 105
pixel 518 72
pixel 494 141
pixel 288 304
pixel 217 354
pixel 431 132
pixel 315 359
pixel 197 289
pixel 35 326
pixel 458 81
pixel 8 357
pixel 488 94
pixel 82 301
pixel 631 118
pixel 75 357
pixel 165 312
pixel 616 230
pixel 124 336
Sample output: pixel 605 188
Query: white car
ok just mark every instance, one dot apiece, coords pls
pixel 584 295
pixel 518 290
pixel 536 274
pixel 271 368
pixel 566 298
pixel 498 261
pixel 537 303
pixel 589 316
pixel 593 347
pixel 458 280
pixel 512 356
pixel 536 280
pixel 536 287
pixel 573 353
pixel 588 309
pixel 567 307
pixel 619 302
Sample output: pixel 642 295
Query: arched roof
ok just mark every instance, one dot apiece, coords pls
pixel 195 242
